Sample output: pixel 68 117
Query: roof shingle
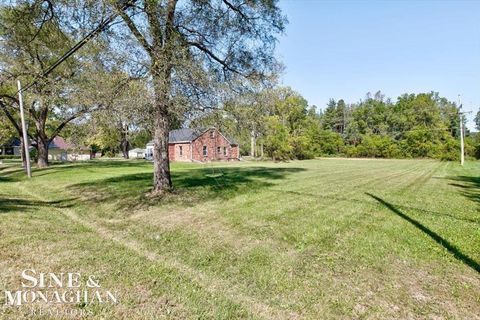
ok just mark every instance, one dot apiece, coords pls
pixel 188 135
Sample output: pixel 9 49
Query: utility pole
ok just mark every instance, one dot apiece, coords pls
pixel 462 153
pixel 460 114
pixel 24 131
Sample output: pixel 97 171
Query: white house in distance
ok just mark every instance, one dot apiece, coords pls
pixel 136 153
pixel 60 150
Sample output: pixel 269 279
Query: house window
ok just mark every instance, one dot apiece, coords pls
pixel 180 149
pixel 218 150
pixel 212 134
pixel 225 151
pixel 205 151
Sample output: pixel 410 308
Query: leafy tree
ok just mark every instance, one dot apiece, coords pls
pixel 330 143
pixel 7 131
pixel 125 109
pixel 472 145
pixel 378 146
pixel 335 116
pixel 477 121
pixel 34 35
pixel 277 139
pixel 140 138
pixel 191 46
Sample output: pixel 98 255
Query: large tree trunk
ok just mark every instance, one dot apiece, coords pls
pixel 124 145
pixel 161 53
pixel 252 143
pixel 41 136
pixel 161 174
pixel 161 165
pixel 42 150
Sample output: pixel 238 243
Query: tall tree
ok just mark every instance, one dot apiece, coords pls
pixel 125 105
pixel 191 45
pixel 477 121
pixel 34 35
pixel 6 130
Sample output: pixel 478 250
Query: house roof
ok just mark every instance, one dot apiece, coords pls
pixel 56 143
pixel 188 135
pixel 181 135
pixel 59 143
pixel 14 142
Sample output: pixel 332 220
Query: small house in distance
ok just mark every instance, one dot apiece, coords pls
pixel 136 153
pixel 205 144
pixel 60 150
pixel 12 148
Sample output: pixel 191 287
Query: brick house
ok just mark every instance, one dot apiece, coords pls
pixel 203 144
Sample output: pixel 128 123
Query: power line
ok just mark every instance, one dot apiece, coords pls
pixel 102 26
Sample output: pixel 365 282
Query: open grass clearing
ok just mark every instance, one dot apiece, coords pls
pixel 304 239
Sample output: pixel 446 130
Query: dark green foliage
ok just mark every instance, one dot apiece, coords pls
pixel 421 125
pixel 140 139
pixel 472 145
pixel 379 147
pixel 416 126
pixel 477 120
pixel 329 143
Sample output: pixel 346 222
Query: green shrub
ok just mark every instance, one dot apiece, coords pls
pixel 450 151
pixel 376 146
pixel 33 155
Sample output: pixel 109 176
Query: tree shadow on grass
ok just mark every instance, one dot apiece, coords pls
pixel 469 186
pixel 436 237
pixel 190 185
pixel 25 205
pixel 6 179
pixel 357 200
pixel 17 173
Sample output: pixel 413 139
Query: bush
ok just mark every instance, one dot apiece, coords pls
pixel 450 151
pixel 330 143
pixel 301 147
pixel 277 144
pixel 376 146
pixel 33 155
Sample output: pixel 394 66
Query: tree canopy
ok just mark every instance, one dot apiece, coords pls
pixel 421 125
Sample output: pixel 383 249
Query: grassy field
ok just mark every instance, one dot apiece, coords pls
pixel 318 239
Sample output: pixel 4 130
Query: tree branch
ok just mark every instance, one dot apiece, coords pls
pixel 208 52
pixel 236 9
pixel 67 121
pixel 133 28
pixel 45 18
pixel 10 117
pixel 152 15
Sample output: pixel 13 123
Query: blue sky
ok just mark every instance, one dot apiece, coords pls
pixel 344 49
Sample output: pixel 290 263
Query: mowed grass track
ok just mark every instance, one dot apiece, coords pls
pixel 318 239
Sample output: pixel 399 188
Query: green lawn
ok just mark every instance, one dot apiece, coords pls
pixel 318 239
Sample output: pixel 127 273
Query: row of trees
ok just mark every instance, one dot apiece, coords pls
pixel 280 124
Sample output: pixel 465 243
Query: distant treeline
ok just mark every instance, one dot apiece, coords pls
pixel 281 125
